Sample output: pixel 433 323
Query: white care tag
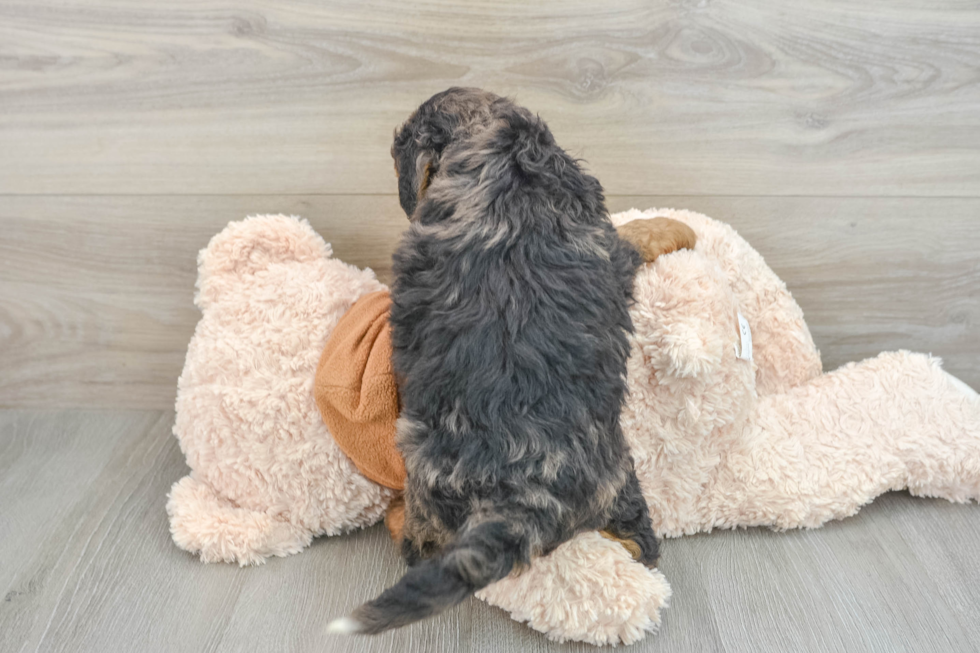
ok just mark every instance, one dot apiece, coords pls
pixel 745 338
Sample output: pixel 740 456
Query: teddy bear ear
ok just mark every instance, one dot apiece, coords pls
pixel 252 244
pixel 247 247
pixel 687 352
pixel 685 314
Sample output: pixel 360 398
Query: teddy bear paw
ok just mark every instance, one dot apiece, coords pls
pixel 204 523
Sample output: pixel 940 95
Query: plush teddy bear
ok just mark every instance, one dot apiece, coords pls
pixel 266 473
pixel 732 424
pixel 730 421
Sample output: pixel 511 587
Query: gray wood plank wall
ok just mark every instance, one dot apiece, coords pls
pixel 843 139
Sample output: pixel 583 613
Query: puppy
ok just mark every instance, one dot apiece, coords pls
pixel 510 329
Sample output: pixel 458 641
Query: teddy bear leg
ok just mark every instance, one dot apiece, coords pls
pixel 948 466
pixel 823 450
pixel 630 525
pixel 209 525
pixel 931 423
pixel 908 425
pixel 587 590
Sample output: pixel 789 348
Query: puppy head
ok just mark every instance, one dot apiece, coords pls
pixel 419 143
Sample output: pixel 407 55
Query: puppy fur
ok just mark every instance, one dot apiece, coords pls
pixel 510 328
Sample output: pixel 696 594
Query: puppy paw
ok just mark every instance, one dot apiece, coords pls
pixel 644 550
pixel 655 236
pixel 395 518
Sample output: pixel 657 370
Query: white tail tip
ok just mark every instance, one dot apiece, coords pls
pixel 344 626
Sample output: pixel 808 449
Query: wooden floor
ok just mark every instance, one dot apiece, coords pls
pixel 88 565
pixel 841 138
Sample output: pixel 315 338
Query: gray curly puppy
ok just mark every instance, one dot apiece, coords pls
pixel 510 328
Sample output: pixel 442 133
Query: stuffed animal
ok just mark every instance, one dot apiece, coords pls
pixel 730 420
pixel 732 424
pixel 266 473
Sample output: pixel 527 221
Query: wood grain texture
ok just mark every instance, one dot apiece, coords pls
pixel 96 291
pixel 693 97
pixel 841 139
pixel 88 565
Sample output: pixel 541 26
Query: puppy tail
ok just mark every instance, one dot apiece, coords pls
pixel 482 554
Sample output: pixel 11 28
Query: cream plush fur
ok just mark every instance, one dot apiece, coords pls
pixel 719 441
pixel 722 442
pixel 266 475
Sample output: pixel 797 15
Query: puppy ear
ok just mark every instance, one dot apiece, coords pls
pixel 408 181
pixel 414 178
pixel 418 145
pixel 426 178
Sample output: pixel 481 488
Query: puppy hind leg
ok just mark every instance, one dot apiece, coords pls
pixel 629 523
pixel 415 551
pixel 422 534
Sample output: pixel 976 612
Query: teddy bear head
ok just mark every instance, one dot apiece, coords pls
pixel 692 379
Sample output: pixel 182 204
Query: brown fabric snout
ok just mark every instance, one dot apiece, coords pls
pixel 356 392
